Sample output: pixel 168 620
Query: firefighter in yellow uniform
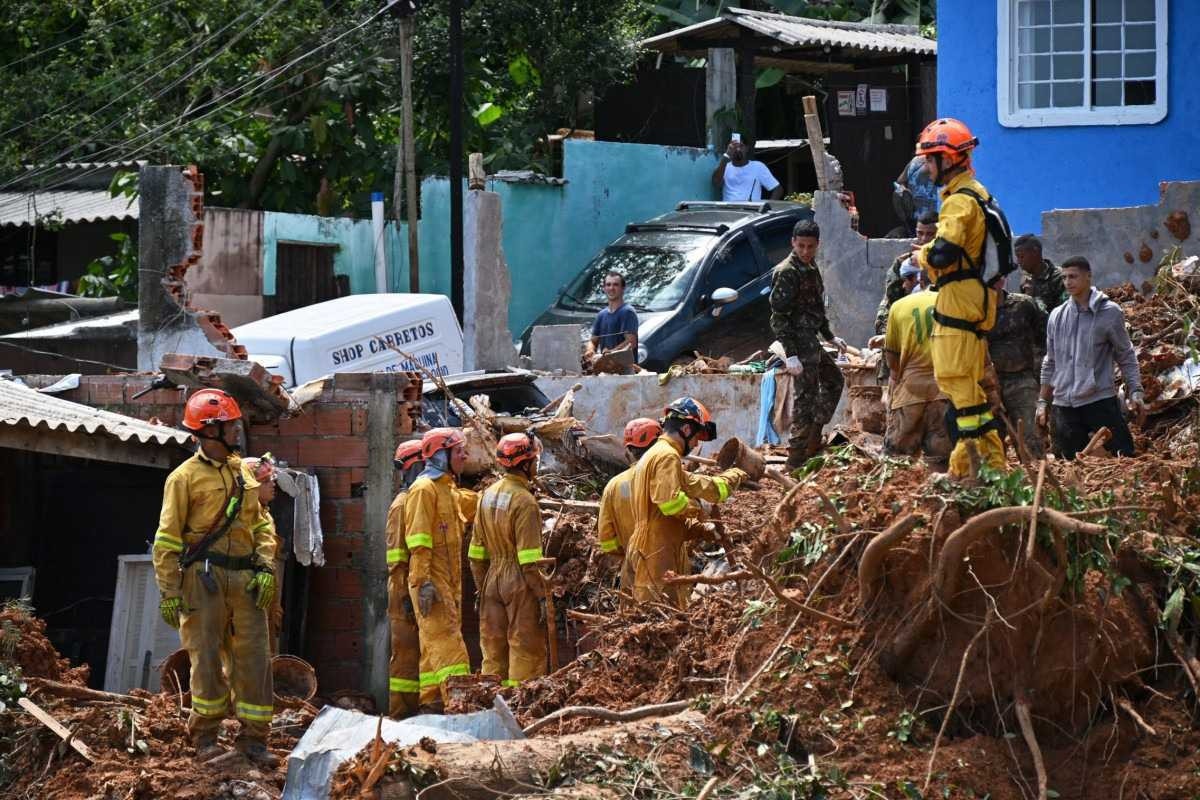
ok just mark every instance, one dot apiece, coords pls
pixel 663 513
pixel 966 308
pixel 404 664
pixel 213 563
pixel 433 532
pixel 615 523
pixel 263 469
pixel 506 547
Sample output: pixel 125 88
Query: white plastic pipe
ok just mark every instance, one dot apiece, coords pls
pixel 381 284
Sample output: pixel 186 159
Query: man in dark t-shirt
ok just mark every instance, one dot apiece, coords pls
pixel 614 325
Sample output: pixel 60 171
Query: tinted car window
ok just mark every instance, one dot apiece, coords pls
pixel 658 270
pixel 732 267
pixel 777 241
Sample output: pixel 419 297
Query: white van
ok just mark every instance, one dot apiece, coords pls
pixel 352 334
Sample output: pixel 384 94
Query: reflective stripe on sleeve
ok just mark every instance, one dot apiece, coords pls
pixel 415 540
pixel 477 552
pixel 529 556
pixel 674 505
pixel 609 545
pixel 403 686
pixel 166 541
pixel 722 489
pixel 396 555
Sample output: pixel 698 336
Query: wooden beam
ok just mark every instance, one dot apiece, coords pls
pixel 50 722
pixel 95 446
pixel 816 141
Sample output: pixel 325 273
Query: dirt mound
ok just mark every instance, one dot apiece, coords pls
pixel 23 642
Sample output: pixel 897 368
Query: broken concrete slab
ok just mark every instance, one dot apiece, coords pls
pixel 259 393
pixel 555 348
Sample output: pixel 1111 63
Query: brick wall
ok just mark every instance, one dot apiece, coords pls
pixel 330 439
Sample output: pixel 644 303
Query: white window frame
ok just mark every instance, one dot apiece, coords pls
pixel 1011 116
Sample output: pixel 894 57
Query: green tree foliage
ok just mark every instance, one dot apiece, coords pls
pixel 291 105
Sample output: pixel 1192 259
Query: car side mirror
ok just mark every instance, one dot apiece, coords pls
pixel 722 297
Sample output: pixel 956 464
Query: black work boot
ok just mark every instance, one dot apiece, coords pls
pixel 798 449
pixel 257 753
pixel 207 748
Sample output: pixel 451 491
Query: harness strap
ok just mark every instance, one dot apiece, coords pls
pixel 969 410
pixel 960 324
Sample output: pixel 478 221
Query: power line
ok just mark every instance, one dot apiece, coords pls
pixel 89 32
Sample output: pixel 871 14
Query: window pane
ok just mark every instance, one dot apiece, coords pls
pixel 1139 10
pixel 1068 11
pixel 1107 11
pixel 1035 40
pixel 1033 95
pixel 1034 68
pixel 1139 37
pixel 1106 66
pixel 1106 37
pixel 1139 65
pixel 1139 93
pixel 1067 66
pixel 1033 12
pixel 1068 39
pixel 1068 95
pixel 1106 93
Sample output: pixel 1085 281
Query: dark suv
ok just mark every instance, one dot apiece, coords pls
pixel 697 276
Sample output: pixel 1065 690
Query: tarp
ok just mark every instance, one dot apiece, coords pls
pixel 337 735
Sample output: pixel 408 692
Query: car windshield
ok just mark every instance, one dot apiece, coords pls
pixel 658 269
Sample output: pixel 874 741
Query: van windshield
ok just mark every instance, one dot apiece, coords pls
pixel 658 270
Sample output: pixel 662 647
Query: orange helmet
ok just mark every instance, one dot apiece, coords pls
pixel 440 439
pixel 691 410
pixel 262 468
pixel 516 448
pixel 641 432
pixel 408 454
pixel 209 407
pixel 946 135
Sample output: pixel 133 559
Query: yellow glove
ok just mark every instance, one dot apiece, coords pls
pixel 734 477
pixel 263 582
pixel 170 608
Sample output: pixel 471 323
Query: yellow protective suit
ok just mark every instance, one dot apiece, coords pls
pixel 959 356
pixel 275 612
pixel 662 517
pixel 433 532
pixel 615 522
pixel 505 546
pixel 404 663
pixel 196 496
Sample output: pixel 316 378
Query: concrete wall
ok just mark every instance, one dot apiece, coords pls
pixel 229 276
pixel 355 255
pixel 1034 169
pixel 551 232
pixel 1126 244
pixel 607 402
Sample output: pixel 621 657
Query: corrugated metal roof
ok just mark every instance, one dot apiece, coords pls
pixel 801 32
pixel 20 405
pixel 69 205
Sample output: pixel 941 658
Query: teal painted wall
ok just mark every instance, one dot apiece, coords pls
pixel 355 255
pixel 551 232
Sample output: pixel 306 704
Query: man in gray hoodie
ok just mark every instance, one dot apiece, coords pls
pixel 1083 337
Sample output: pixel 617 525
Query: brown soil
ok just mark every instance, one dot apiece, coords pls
pixel 23 642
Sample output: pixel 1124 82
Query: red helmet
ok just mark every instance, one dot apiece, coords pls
pixel 946 135
pixel 641 432
pixel 440 439
pixel 209 407
pixel 517 448
pixel 262 468
pixel 408 454
pixel 691 410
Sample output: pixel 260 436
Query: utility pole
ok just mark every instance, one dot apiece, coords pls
pixel 406 157
pixel 456 158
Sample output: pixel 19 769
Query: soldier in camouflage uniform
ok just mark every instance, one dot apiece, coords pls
pixel 797 317
pixel 1042 280
pixel 1016 345
pixel 893 288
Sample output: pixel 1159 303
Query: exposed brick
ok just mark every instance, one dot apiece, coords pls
pixel 358 420
pixel 105 390
pixel 342 451
pixel 343 550
pixel 328 513
pixel 158 396
pixel 352 381
pixel 303 424
pixel 334 482
pixel 350 515
pixel 337 677
pixel 336 583
pixel 333 420
pixel 279 446
pixel 327 613
pixel 348 646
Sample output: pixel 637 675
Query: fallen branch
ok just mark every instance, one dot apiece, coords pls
pixel 784 597
pixel 849 547
pixel 1033 511
pixel 82 692
pixel 872 558
pixel 962 669
pixel 1099 439
pixel 583 616
pixel 553 404
pixel 671 579
pixel 709 788
pixel 832 510
pixel 596 712
pixel 579 506
pixel 767 661
pixel 1026 721
pixel 1099 512
pixel 1127 707
pixel 50 722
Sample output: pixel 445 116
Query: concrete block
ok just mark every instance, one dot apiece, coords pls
pixel 556 347
pixel 488 341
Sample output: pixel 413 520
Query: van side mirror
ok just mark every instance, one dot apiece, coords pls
pixel 722 297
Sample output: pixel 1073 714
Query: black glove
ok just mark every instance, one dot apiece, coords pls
pixel 427 595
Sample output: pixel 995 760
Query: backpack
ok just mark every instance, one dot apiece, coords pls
pixel 997 257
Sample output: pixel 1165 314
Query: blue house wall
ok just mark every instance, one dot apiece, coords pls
pixel 1032 170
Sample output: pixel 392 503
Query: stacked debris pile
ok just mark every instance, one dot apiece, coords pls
pixel 121 746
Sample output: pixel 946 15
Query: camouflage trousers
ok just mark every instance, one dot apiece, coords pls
pixel 1019 393
pixel 817 392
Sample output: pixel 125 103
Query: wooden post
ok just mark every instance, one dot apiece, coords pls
pixel 816 141
pixel 746 90
pixel 410 154
pixel 476 174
